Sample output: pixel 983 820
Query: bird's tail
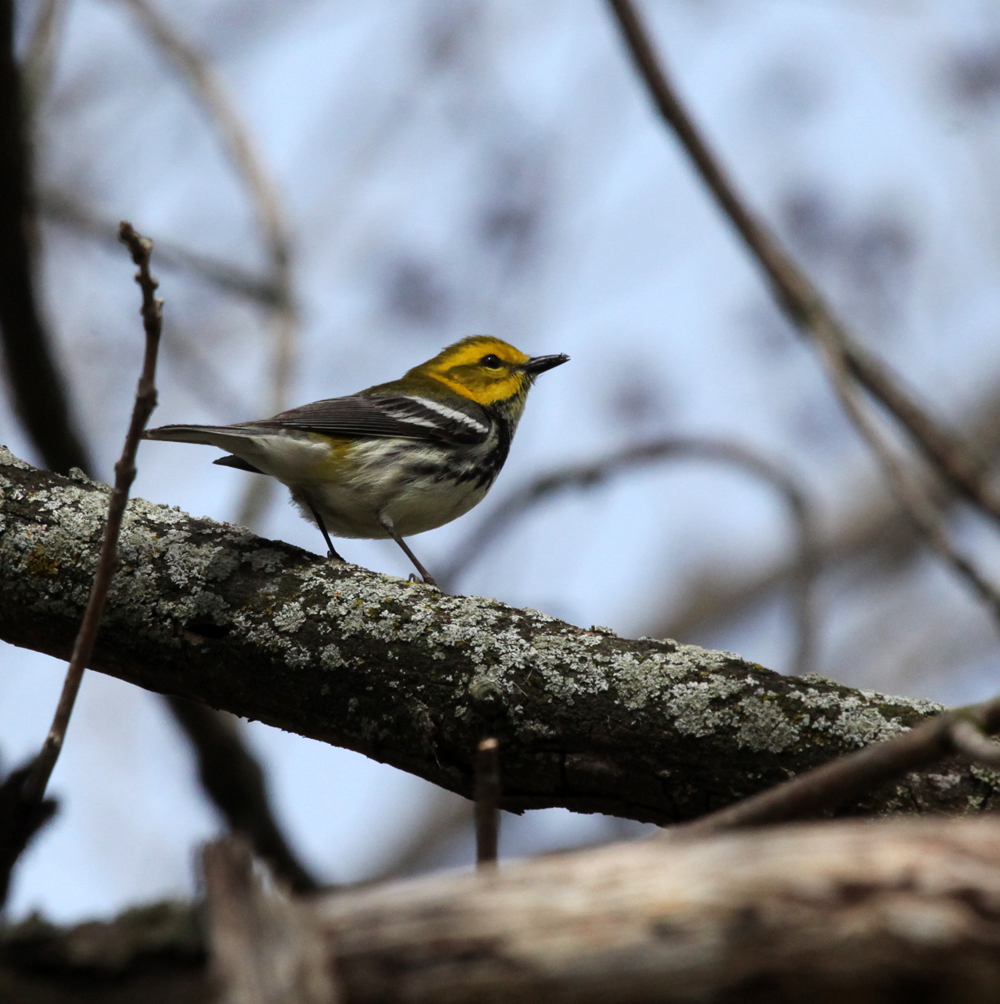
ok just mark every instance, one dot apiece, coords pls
pixel 223 436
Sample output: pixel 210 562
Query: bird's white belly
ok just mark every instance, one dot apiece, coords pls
pixel 389 479
pixel 347 512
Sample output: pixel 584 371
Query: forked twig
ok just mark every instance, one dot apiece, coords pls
pixel 797 296
pixel 656 451
pixel 145 401
pixel 826 788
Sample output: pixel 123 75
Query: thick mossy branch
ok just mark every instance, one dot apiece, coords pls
pixel 648 729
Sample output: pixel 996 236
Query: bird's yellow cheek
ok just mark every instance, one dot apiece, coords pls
pixel 488 391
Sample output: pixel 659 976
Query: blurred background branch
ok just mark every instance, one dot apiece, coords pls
pixel 235 782
pixel 801 301
pixel 214 97
pixel 47 419
pixel 454 167
pixel 63 209
pixel 870 535
pixel 805 565
pixel 36 387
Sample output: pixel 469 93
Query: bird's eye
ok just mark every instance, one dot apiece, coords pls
pixel 491 360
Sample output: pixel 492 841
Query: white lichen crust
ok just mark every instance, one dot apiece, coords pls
pixel 648 729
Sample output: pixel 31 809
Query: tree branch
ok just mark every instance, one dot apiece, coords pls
pixel 870 529
pixel 831 785
pixel 233 779
pixel 38 392
pixel 265 202
pixel 872 912
pixel 909 493
pixel 645 729
pixel 802 303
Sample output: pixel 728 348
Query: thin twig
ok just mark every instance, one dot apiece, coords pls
pixel 487 795
pixel 798 297
pixel 672 448
pixel 145 401
pixel 221 109
pixel 38 387
pixel 849 777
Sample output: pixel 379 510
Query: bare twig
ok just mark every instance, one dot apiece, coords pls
pixel 37 385
pixel 145 401
pixel 673 448
pixel 23 807
pixel 832 785
pixel 797 296
pixel 215 99
pixel 39 394
pixel 487 795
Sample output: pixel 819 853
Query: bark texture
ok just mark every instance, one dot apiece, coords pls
pixel 860 912
pixel 884 912
pixel 648 729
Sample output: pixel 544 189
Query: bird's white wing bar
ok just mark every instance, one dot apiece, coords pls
pixel 384 415
pixel 453 414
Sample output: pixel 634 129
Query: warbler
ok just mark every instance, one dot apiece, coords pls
pixel 398 458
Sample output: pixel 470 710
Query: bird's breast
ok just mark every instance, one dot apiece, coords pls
pixel 420 486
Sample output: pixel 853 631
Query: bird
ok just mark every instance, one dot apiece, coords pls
pixel 398 458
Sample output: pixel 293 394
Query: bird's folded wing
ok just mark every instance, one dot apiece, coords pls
pixel 390 416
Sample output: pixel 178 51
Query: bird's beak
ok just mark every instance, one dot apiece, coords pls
pixel 539 364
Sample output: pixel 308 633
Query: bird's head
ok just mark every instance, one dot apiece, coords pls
pixel 486 370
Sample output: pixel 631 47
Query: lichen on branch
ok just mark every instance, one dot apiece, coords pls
pixel 648 729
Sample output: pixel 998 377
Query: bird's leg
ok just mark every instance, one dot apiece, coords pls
pixel 391 530
pixel 322 529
